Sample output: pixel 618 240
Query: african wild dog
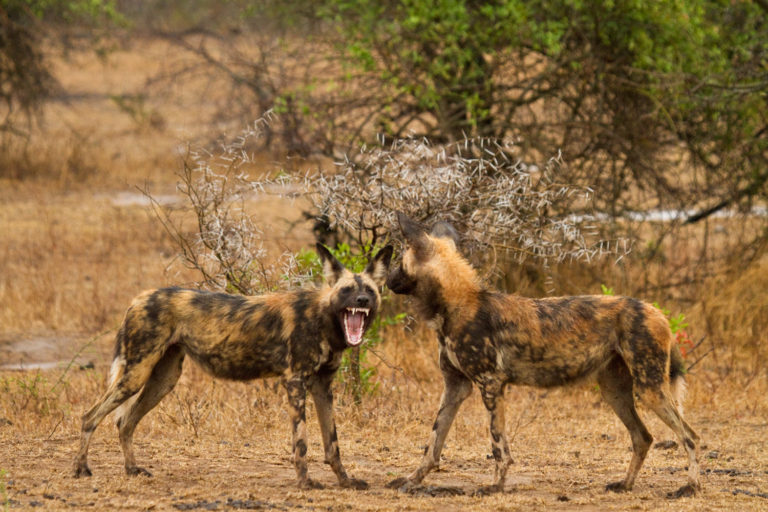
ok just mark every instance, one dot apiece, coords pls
pixel 493 339
pixel 296 335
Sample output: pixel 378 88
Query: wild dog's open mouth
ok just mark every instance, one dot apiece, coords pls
pixel 353 320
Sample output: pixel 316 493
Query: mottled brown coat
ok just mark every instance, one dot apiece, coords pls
pixel 492 339
pixel 298 336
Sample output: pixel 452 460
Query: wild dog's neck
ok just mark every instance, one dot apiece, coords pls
pixel 451 298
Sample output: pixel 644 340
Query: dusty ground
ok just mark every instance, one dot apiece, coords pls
pixel 214 445
pixel 77 247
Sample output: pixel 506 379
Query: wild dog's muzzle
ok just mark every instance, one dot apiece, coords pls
pixel 400 282
pixel 353 321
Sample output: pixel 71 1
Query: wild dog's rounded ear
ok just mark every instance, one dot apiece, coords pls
pixel 379 265
pixel 332 268
pixel 446 230
pixel 415 235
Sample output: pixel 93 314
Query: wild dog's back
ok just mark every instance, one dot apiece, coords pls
pixel 230 336
pixel 554 341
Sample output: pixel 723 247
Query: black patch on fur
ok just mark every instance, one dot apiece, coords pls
pixel 431 297
pixel 301 448
pixel 155 304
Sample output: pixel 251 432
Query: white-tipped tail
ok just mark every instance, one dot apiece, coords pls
pixel 678 391
pixel 116 370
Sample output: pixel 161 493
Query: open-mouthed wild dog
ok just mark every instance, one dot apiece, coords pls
pixel 492 339
pixel 297 335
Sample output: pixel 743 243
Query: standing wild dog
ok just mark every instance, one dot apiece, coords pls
pixel 493 339
pixel 297 335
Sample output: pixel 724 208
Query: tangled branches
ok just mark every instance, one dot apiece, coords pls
pixel 498 203
pixel 227 246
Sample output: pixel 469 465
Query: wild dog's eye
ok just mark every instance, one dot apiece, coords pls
pixel 347 289
pixel 369 290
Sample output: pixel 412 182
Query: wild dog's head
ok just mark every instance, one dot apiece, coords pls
pixel 355 298
pixel 431 268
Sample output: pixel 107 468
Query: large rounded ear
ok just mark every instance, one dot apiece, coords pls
pixel 446 230
pixel 379 265
pixel 415 235
pixel 332 268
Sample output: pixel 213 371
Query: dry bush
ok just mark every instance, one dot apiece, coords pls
pixel 499 203
pixel 483 187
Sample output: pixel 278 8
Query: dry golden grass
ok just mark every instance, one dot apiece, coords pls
pixel 78 244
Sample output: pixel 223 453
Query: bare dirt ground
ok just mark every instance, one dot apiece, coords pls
pixel 223 446
pixel 75 251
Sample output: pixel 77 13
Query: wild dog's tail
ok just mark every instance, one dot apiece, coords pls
pixel 677 372
pixel 118 359
pixel 116 372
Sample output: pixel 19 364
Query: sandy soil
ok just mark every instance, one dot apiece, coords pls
pixel 213 445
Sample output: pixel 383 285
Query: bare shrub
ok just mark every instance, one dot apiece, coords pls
pixel 481 186
pixel 226 247
pixel 496 200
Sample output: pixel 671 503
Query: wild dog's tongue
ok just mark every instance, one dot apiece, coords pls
pixel 353 327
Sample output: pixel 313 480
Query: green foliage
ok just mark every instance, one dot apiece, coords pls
pixel 676 323
pixel 87 11
pixel 446 54
pixel 606 290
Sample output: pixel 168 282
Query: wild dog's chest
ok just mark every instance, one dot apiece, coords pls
pixel 310 355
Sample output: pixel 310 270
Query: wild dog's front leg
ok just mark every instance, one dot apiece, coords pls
pixel 297 394
pixel 320 387
pixel 493 398
pixel 457 389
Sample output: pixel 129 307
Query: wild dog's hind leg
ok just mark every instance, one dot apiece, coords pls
pixel 297 398
pixel 493 398
pixel 161 381
pixel 457 389
pixel 615 384
pixel 660 400
pixel 320 387
pixel 125 382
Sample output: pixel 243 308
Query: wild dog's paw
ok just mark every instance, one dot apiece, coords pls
pixel 398 483
pixel 310 484
pixel 617 487
pixel 487 490
pixel 686 491
pixel 82 470
pixel 137 471
pixel 354 483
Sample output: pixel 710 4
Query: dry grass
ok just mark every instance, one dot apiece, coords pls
pixel 78 244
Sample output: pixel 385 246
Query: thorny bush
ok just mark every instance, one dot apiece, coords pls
pixel 482 186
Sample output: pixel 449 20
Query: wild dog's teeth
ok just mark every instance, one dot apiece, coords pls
pixel 361 310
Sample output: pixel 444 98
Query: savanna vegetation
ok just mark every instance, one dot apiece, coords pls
pixel 578 147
